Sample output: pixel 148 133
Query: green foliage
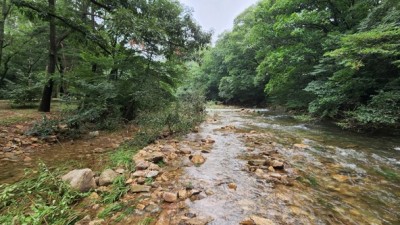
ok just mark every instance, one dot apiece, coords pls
pixel 111 209
pixel 123 157
pixel 338 61
pixel 146 221
pixel 39 200
pixel 118 190
pixel 25 95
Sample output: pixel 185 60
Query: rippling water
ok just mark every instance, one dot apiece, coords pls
pixel 344 178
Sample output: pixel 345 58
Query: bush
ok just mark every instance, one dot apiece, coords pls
pixel 25 95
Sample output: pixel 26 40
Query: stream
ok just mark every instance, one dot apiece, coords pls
pixel 338 177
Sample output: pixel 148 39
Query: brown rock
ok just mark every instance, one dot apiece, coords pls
pixel 199 220
pixel 81 180
pixel 169 197
pixel 27 159
pixel 155 157
pixel 277 165
pixel 261 221
pixel 139 173
pixel 271 169
pixel 301 146
pixel 140 188
pixel 232 186
pixel 107 177
pixel 182 194
pixel 198 159
pixel 142 165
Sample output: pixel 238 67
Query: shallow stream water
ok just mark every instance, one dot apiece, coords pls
pixel 339 177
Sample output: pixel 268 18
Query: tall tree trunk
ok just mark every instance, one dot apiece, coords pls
pixel 4 13
pixel 51 67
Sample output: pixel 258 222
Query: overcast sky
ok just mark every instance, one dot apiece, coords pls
pixel 217 15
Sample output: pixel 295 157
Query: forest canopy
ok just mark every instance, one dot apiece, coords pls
pixel 113 59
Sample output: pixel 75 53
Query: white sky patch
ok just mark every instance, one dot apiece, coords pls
pixel 217 15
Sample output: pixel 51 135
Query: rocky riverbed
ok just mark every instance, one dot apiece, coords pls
pixel 253 168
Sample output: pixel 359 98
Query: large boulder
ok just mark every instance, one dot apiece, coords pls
pixel 81 180
pixel 107 177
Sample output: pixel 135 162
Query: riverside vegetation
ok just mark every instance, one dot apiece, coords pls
pixel 335 59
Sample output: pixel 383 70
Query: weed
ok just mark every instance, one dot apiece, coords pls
pixel 149 180
pixel 389 174
pixel 44 199
pixel 146 221
pixel 123 157
pixel 110 210
pixel 118 190
pixel 161 164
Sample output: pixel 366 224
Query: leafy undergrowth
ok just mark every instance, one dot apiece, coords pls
pixel 42 198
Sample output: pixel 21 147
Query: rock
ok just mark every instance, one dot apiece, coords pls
pixel 154 167
pixel 271 169
pixel 259 173
pixel 120 170
pixel 186 162
pixel 198 159
pixel 140 206
pixel 256 162
pixel 199 221
pixel 168 148
pixel 247 222
pixel 141 180
pixel 194 192
pixel 340 178
pixel 27 159
pixel 94 133
pixel 93 196
pixel 261 221
pixel 140 188
pixel 169 197
pixel 152 173
pixel 155 157
pixel 278 165
pixel 182 194
pixel 301 146
pixel 96 222
pixel 186 150
pixel 209 192
pixel 99 150
pixel 232 186
pixel 7 149
pixel 275 175
pixel 139 173
pixel 107 177
pixel 81 180
pixel 152 208
pixel 142 165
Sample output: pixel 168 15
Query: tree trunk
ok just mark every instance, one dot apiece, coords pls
pixel 51 67
pixel 4 12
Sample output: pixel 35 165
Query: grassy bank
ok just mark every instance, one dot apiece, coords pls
pixel 42 198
